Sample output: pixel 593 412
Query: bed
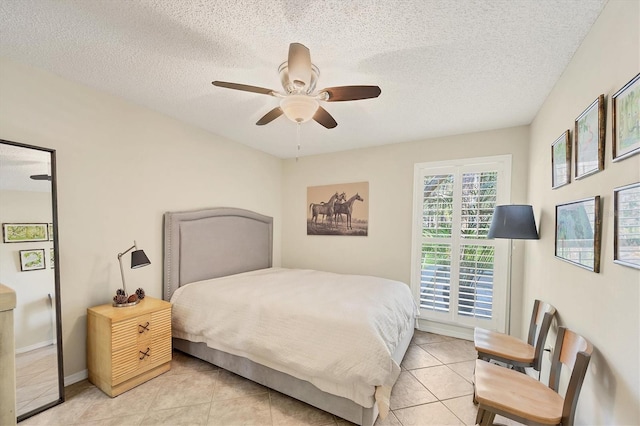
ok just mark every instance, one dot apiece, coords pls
pixel 218 255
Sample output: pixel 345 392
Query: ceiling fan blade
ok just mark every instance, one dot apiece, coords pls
pixel 270 116
pixel 243 87
pixel 351 93
pixel 299 65
pixel 324 118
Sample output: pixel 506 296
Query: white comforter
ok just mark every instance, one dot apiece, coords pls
pixel 336 331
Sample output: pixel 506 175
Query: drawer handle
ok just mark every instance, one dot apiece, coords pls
pixel 145 354
pixel 143 328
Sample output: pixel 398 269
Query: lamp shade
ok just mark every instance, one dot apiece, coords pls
pixel 513 221
pixel 139 259
pixel 299 108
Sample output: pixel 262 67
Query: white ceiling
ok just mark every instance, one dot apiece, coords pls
pixel 444 66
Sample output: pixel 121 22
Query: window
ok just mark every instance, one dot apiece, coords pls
pixel 459 276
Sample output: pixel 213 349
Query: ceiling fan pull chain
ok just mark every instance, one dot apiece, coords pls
pixel 298 139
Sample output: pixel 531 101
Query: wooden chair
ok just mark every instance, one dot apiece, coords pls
pixel 513 351
pixel 526 400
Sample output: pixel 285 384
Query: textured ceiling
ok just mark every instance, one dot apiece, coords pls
pixel 444 66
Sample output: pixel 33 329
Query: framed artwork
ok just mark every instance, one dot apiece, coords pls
pixel 578 233
pixel 31 260
pixel 561 161
pixel 50 231
pixel 52 258
pixel 589 139
pixel 341 209
pixel 626 120
pixel 24 232
pixel 626 225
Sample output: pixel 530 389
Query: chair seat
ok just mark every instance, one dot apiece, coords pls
pixel 518 394
pixel 503 346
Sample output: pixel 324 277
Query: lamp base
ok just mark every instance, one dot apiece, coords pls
pixel 124 305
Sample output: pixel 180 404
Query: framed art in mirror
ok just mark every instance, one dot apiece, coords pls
pixel 626 225
pixel 626 120
pixel 578 233
pixel 31 260
pixel 589 139
pixel 561 161
pixel 24 232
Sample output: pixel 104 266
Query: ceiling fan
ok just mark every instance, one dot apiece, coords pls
pixel 41 177
pixel 299 101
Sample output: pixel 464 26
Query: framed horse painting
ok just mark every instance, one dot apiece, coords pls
pixel 341 209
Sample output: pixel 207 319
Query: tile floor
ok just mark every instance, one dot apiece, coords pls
pixel 434 388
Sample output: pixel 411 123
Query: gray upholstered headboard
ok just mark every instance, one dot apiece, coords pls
pixel 211 243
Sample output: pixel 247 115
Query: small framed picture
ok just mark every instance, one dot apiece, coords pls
pixel 626 225
pixel 626 120
pixel 31 260
pixel 52 258
pixel 24 232
pixel 589 139
pixel 50 231
pixel 578 227
pixel 561 161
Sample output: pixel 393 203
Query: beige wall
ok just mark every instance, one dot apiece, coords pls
pixel 34 315
pixel 386 251
pixel 604 307
pixel 120 167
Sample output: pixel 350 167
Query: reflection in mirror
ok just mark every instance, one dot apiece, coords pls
pixel 29 266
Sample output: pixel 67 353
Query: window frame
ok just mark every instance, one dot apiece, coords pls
pixel 450 322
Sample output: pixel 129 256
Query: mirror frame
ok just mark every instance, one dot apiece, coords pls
pixel 56 261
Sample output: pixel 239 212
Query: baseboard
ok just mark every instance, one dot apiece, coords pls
pixel 451 330
pixel 35 346
pixel 76 377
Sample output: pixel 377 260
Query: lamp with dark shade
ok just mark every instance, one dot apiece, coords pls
pixel 513 221
pixel 138 260
pixel 516 222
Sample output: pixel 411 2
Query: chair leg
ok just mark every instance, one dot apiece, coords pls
pixel 475 401
pixel 485 418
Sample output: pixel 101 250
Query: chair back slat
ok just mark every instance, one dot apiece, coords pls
pixel 568 345
pixel 541 318
pixel 533 328
pixel 541 339
pixel 572 344
pixel 573 390
pixel 538 315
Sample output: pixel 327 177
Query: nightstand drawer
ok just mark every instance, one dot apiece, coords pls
pixel 134 360
pixel 143 327
pixel 131 330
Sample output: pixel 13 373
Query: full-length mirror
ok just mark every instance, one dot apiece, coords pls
pixel 29 265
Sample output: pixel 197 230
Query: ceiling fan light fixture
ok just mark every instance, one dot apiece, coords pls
pixel 299 108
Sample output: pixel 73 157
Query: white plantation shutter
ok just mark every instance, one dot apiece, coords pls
pixel 454 271
pixel 478 199
pixel 437 219
pixel 435 277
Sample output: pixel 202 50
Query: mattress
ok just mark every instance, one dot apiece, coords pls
pixel 335 331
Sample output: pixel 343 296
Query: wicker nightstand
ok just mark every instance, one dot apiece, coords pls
pixel 128 346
